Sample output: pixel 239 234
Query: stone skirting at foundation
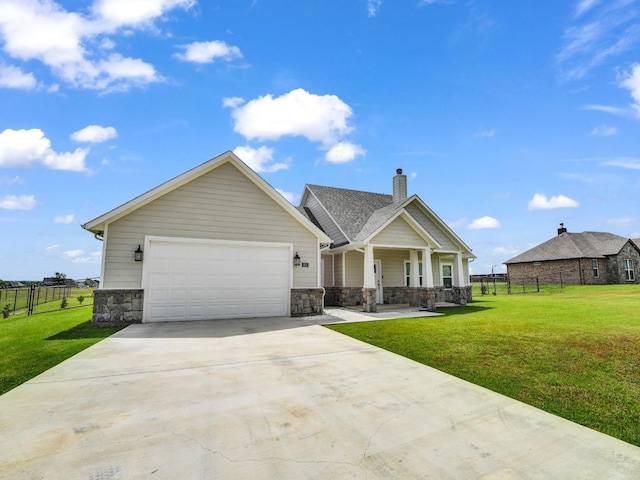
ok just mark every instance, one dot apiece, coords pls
pixel 343 296
pixel 414 296
pixel 306 301
pixel 117 307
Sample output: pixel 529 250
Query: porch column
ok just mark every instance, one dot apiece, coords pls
pixel 458 281
pixel 414 273
pixel 369 283
pixel 369 273
pixel 427 269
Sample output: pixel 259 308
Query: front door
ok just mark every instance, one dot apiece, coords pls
pixel 377 268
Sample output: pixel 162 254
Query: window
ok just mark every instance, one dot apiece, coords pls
pixel 594 265
pixel 629 275
pixel 447 276
pixel 407 273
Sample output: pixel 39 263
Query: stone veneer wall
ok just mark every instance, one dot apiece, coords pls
pixel 414 296
pixel 306 301
pixel 117 307
pixel 343 296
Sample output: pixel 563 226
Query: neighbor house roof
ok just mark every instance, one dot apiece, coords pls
pixel 568 246
pixel 359 214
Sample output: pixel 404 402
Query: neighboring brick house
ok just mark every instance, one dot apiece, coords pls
pixel 579 258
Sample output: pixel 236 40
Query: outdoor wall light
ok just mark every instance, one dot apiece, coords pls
pixel 296 260
pixel 137 254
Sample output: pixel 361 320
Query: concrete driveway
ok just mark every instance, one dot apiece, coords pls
pixel 279 398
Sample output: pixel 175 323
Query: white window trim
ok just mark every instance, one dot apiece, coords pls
pixel 407 279
pixel 442 277
pixel 629 274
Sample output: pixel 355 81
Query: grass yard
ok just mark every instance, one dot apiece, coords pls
pixel 573 352
pixel 31 345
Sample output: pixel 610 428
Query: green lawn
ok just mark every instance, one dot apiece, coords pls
pixel 31 345
pixel 574 352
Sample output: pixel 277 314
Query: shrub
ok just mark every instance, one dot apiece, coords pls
pixel 63 304
pixel 6 310
pixel 81 299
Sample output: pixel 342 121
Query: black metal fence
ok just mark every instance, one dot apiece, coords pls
pixel 39 299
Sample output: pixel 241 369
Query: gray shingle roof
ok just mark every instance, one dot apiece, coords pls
pixel 573 245
pixel 353 210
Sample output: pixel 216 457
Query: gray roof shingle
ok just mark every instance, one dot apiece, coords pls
pixel 568 246
pixel 353 210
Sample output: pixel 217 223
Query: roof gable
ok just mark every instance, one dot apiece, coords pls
pixel 568 246
pixel 349 209
pixel 98 224
pixel 359 216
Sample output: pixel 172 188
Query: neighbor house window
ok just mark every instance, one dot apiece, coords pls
pixel 447 276
pixel 407 273
pixel 594 265
pixel 629 275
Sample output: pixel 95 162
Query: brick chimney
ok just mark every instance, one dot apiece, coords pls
pixel 562 230
pixel 399 187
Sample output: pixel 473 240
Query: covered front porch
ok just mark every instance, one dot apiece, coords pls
pixel 380 275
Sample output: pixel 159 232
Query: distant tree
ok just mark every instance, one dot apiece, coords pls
pixel 61 276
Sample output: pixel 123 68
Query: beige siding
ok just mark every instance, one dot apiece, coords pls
pixel 355 269
pixel 398 232
pixel 430 226
pixel 392 262
pixel 337 268
pixel 223 205
pixel 327 280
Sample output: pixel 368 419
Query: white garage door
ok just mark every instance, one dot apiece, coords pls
pixel 198 280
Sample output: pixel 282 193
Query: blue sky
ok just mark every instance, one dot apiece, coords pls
pixel 507 117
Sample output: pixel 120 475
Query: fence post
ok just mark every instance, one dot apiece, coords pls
pixel 31 299
pixel 560 279
pixel 15 300
pixel 538 284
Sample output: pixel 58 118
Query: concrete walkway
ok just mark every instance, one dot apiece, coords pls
pixel 284 399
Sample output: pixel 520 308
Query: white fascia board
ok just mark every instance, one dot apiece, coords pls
pixel 411 222
pixel 450 233
pixel 307 189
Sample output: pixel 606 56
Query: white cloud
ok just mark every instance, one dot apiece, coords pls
pixel 94 134
pixel 624 162
pixel 631 81
pixel 484 222
pixel 373 6
pixel 207 52
pixel 604 131
pixel 344 152
pixel 14 77
pixel 18 202
pixel 509 250
pixel 541 202
pixel 319 118
pixel 288 195
pixel 413 175
pixel 24 148
pixel 51 248
pixel 584 6
pixel 621 112
pixel 64 219
pixel 608 31
pixel 117 13
pixel 259 159
pixel 12 180
pixel 81 257
pixel 232 102
pixel 486 134
pixel 620 222
pixel 72 44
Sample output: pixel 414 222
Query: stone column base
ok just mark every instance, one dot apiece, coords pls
pixel 369 304
pixel 117 307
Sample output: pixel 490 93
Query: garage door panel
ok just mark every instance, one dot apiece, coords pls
pixel 193 281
